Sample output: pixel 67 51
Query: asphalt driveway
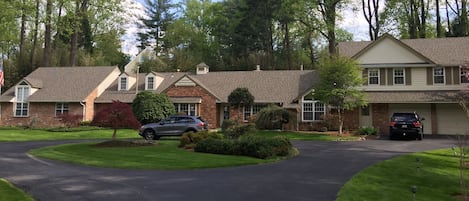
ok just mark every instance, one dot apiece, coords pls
pixel 316 174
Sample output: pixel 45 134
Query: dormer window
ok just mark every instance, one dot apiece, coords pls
pixel 123 83
pixel 150 83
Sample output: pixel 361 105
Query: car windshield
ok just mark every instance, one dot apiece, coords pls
pixel 404 117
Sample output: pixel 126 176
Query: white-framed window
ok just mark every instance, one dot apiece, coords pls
pixel 21 104
pixel 464 72
pixel 150 83
pixel 399 76
pixel 312 110
pixel 439 75
pixel 252 110
pixel 61 109
pixel 373 77
pixel 186 108
pixel 123 83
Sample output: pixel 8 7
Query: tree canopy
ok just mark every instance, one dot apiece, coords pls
pixel 151 107
pixel 338 87
pixel 116 115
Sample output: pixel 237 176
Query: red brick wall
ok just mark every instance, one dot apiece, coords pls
pixel 41 115
pixel 351 119
pixel 380 114
pixel 208 107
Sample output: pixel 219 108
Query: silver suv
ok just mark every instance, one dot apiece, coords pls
pixel 173 126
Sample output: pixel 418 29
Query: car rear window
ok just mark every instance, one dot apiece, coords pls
pixel 404 117
pixel 200 118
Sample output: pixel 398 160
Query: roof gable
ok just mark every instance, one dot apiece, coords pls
pixel 388 50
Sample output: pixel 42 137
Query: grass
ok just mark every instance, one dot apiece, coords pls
pixel 20 134
pixel 437 179
pixel 306 136
pixel 163 156
pixel 9 192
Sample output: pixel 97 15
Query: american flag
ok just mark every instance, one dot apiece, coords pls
pixel 2 78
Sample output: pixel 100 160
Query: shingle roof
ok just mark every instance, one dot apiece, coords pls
pixel 68 84
pixel 265 86
pixel 411 96
pixel 128 96
pixel 443 51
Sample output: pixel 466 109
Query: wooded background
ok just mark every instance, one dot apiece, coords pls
pixel 227 35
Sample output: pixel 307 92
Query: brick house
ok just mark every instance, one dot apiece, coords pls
pixel 205 93
pixel 412 75
pixel 48 92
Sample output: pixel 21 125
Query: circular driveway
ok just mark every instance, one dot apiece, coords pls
pixel 318 173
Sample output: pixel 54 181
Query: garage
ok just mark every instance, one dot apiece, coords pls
pixel 451 119
pixel 423 109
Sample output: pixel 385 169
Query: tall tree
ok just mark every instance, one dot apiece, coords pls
pixel 370 10
pixel 47 35
pixel 160 14
pixel 329 11
pixel 339 79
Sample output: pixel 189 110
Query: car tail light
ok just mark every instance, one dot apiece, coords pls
pixel 393 123
pixel 417 124
pixel 201 124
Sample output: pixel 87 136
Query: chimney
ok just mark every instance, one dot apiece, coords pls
pixel 202 68
pixel 258 67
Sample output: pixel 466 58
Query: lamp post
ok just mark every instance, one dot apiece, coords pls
pixel 413 189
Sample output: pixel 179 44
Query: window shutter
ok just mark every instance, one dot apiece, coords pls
pixel 456 75
pixel 408 76
pixel 429 76
pixel 365 76
pixel 382 76
pixel 390 76
pixel 448 74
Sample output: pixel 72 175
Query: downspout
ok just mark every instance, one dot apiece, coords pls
pixel 82 103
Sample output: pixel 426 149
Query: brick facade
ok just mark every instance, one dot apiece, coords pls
pixel 381 117
pixel 41 115
pixel 207 109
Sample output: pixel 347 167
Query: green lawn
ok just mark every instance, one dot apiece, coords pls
pixel 437 179
pixel 165 155
pixel 8 192
pixel 305 136
pixel 19 134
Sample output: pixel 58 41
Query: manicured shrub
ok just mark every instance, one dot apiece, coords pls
pixel 151 107
pixel 215 146
pixel 367 131
pixel 190 139
pixel 248 145
pixel 272 117
pixel 239 130
pixel 227 123
pixel 71 120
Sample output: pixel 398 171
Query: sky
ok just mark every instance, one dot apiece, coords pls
pixel 354 22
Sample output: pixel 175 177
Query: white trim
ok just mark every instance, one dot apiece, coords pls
pixel 378 76
pixel 444 75
pixel 394 76
pixel 120 82
pixel 147 86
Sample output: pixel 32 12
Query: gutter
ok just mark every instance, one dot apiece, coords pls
pixel 82 103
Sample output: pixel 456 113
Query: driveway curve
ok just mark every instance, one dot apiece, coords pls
pixel 317 173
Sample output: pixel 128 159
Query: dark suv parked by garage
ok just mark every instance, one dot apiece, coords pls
pixel 408 125
pixel 173 126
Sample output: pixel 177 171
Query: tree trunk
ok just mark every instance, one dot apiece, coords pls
pixel 114 134
pixel 422 21
pixel 36 30
pixel 47 35
pixel 287 46
pixel 438 20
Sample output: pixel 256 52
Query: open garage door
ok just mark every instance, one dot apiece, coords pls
pixel 424 110
pixel 451 119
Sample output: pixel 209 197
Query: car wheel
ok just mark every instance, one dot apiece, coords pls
pixel 149 135
pixel 419 136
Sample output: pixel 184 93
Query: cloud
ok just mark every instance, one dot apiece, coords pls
pixel 134 10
